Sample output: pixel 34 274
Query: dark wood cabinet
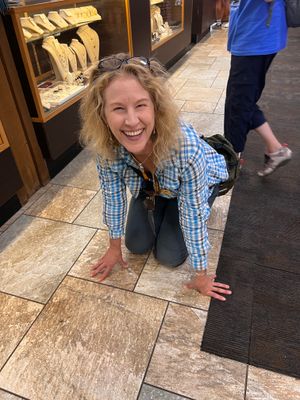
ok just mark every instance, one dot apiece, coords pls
pixel 204 14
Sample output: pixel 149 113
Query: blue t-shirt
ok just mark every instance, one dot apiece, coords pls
pixel 249 34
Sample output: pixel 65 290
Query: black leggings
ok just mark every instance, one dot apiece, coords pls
pixel 245 85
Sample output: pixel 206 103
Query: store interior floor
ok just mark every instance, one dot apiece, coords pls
pixel 63 335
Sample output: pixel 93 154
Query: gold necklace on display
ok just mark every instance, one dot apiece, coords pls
pixel 90 45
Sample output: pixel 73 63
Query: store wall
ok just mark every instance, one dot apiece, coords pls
pixel 17 127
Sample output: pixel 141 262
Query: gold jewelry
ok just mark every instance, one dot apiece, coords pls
pixel 140 164
pixel 90 39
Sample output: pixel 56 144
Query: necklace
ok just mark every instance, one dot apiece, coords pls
pixel 140 164
pixel 80 52
pixel 90 39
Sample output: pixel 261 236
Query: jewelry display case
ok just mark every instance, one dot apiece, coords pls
pixel 59 41
pixel 166 20
pixel 161 28
pixel 55 44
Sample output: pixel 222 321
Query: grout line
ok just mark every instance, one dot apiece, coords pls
pixel 14 394
pixel 153 348
pixel 246 382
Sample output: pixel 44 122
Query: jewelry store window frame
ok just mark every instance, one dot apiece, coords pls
pixel 161 42
pixel 16 12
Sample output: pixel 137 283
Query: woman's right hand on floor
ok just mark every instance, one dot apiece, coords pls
pixel 106 263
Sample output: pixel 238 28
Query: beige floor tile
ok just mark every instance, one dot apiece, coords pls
pixel 198 72
pixel 219 53
pixel 179 104
pixel 204 123
pixel 199 52
pixel 169 283
pixel 208 45
pixel 199 83
pixel 178 364
pixel 80 173
pixel 7 396
pixel 61 203
pixel 198 106
pixel 197 93
pixel 219 211
pixel 16 316
pixel 199 59
pixel 220 106
pixel 90 342
pixel 223 74
pixel 175 84
pixel 221 63
pixel 267 385
pixel 220 82
pixel 176 70
pixel 122 278
pixel 36 254
pixel 92 214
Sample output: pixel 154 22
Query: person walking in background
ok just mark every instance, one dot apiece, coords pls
pixel 257 31
pixel 131 122
pixel 222 13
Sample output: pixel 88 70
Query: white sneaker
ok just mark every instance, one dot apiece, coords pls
pixel 275 160
pixel 225 25
pixel 216 25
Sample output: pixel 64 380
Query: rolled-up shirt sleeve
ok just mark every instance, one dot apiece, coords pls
pixel 114 200
pixel 194 209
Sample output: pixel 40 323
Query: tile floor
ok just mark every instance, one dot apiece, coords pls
pixel 136 336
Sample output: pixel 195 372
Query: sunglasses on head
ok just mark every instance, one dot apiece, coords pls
pixel 113 63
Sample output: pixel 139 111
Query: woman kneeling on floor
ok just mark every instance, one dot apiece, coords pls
pixel 131 122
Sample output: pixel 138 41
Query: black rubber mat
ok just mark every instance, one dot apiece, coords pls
pixel 260 256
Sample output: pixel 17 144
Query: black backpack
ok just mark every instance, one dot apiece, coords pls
pixel 222 146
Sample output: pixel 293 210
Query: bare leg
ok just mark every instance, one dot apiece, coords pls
pixel 219 10
pixel 271 142
pixel 226 10
pixel 222 9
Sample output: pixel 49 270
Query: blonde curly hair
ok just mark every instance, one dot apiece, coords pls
pixel 95 132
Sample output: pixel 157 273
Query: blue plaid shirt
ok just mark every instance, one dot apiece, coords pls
pixel 189 175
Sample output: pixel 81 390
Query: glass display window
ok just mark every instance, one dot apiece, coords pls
pixel 166 18
pixel 60 42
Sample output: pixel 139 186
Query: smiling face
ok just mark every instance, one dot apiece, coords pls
pixel 129 113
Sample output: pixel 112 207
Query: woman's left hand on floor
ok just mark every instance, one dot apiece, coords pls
pixel 206 285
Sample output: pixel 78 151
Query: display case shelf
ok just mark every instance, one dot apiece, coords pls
pixel 56 32
pixel 166 19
